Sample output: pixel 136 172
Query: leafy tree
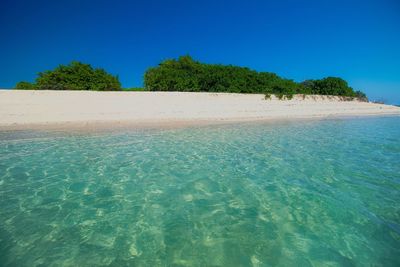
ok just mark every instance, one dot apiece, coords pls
pixel 75 76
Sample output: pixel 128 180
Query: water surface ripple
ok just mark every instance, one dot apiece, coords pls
pixel 309 193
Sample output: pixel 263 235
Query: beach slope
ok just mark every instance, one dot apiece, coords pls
pixel 23 109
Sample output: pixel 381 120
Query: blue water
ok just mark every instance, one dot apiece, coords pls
pixel 309 193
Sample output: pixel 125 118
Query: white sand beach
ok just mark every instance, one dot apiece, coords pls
pixel 24 109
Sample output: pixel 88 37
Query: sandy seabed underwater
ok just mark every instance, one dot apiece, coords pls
pixel 306 193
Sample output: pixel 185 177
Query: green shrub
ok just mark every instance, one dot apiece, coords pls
pixel 361 96
pixel 25 86
pixel 75 76
pixel 328 86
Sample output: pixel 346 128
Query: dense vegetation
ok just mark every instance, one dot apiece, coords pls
pixel 186 74
pixel 75 76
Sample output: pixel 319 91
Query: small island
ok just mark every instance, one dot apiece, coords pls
pixel 176 92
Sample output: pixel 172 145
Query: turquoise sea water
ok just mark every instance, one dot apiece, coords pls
pixel 309 193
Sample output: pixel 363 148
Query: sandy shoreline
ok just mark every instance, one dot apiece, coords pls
pixel 77 109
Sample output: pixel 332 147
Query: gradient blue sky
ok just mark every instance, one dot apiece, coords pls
pixel 356 40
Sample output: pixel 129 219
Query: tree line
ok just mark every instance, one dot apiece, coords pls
pixel 188 75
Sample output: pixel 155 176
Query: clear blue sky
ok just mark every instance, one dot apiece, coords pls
pixel 356 40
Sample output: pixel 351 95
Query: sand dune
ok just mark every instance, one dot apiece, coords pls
pixel 46 108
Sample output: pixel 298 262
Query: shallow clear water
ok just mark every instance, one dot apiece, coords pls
pixel 321 193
